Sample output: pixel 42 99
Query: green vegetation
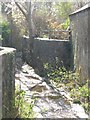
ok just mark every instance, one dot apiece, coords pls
pixel 24 108
pixel 66 24
pixel 5 29
pixel 60 77
pixel 81 95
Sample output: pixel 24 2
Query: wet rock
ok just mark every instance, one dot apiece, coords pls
pixel 40 87
pixel 38 115
pixel 79 111
pixel 52 95
pixel 36 109
pixel 30 72
pixel 27 67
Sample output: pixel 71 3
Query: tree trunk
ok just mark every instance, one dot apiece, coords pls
pixel 30 31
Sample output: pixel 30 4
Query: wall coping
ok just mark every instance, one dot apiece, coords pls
pixel 87 6
pixel 47 39
pixel 5 50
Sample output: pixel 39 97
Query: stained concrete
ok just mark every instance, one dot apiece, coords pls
pixel 56 53
pixel 7 82
pixel 80 26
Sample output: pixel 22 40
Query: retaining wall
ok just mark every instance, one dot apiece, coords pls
pixel 54 52
pixel 7 82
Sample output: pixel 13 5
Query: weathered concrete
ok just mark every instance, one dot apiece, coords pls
pixel 26 48
pixel 54 52
pixel 80 26
pixel 7 82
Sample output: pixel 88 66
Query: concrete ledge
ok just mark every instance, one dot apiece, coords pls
pixel 51 40
pixel 5 50
pixel 87 6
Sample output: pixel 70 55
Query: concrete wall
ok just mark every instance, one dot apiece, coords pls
pixel 54 52
pixel 7 82
pixel 25 49
pixel 80 26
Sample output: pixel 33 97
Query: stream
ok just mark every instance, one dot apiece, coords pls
pixel 50 102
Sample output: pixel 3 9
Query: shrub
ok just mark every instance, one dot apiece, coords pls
pixel 71 81
pixel 5 27
pixel 25 109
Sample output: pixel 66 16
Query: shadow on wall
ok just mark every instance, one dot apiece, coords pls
pixel 57 53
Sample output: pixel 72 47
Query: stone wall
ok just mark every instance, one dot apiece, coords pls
pixel 54 52
pixel 7 82
pixel 80 26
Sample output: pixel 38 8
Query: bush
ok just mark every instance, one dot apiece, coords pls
pixel 61 74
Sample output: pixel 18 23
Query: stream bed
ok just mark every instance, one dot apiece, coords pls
pixel 50 102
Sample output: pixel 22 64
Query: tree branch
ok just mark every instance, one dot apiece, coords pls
pixel 22 10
